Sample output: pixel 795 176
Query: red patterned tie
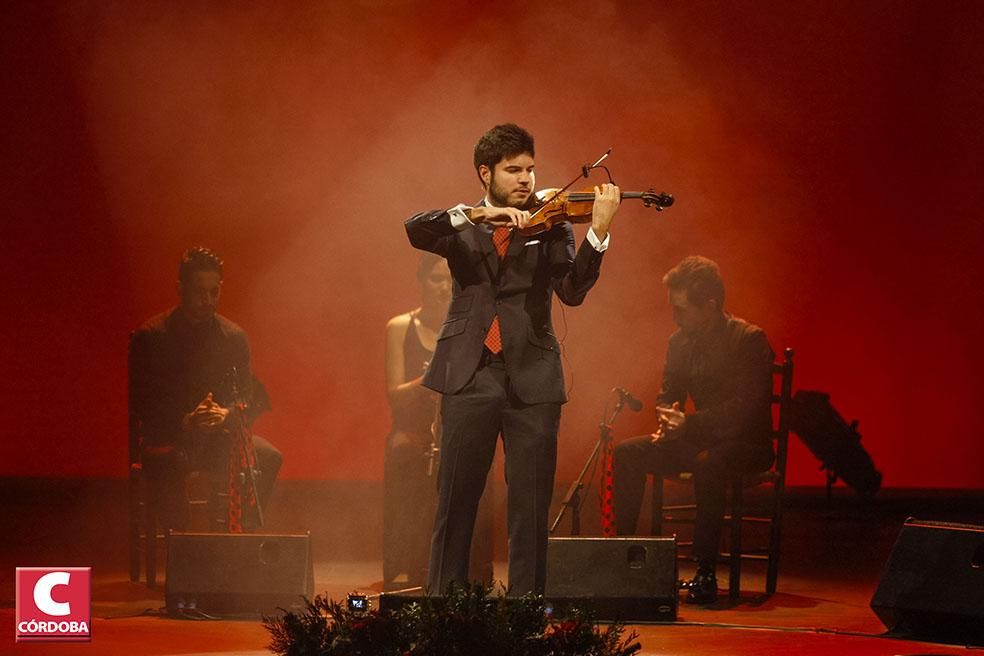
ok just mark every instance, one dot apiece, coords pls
pixel 608 526
pixel 493 340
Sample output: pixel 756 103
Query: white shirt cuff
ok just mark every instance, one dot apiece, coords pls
pixel 460 220
pixel 600 246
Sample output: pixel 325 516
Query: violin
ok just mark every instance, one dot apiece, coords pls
pixel 552 206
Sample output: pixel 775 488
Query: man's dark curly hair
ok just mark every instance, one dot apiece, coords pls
pixel 501 142
pixel 700 277
pixel 198 258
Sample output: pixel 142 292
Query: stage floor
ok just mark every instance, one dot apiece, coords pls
pixel 833 557
pixel 810 615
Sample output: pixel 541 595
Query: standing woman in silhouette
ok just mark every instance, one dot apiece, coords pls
pixel 409 489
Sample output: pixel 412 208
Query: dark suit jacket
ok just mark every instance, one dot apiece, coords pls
pixel 728 374
pixel 519 289
pixel 173 365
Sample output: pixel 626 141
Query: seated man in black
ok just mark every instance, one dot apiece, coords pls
pixel 191 395
pixel 724 365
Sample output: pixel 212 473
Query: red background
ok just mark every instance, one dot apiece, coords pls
pixel 826 154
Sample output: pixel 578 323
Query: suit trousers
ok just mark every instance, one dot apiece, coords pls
pixel 472 420
pixel 712 468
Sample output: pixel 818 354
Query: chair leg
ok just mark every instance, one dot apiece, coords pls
pixel 150 538
pixel 133 524
pixel 657 510
pixel 734 580
pixel 772 573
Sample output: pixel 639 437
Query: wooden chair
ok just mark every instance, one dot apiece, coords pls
pixel 144 531
pixel 142 525
pixel 737 515
pixel 135 510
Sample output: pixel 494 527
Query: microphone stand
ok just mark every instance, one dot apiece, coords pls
pixel 573 498
pixel 434 450
pixel 245 437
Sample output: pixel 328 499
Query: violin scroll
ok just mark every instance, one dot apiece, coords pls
pixel 660 201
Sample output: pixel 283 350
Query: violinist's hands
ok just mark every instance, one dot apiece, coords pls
pixel 607 199
pixel 500 217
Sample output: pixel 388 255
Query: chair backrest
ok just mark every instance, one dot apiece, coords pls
pixel 782 399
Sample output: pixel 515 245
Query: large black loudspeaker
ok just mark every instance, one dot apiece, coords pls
pixel 237 573
pixel 627 579
pixel 933 585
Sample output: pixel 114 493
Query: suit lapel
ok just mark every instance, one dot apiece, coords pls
pixel 516 245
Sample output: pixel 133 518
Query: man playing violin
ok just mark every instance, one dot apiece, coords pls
pixel 497 361
pixel 724 365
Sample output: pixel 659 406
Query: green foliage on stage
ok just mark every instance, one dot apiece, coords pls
pixel 468 621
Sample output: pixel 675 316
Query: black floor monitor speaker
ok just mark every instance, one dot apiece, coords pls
pixel 628 578
pixel 237 573
pixel 933 585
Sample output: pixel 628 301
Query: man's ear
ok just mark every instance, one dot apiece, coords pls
pixel 485 173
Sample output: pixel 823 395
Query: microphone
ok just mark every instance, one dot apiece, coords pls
pixel 634 404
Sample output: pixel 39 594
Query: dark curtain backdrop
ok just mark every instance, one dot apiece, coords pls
pixel 826 154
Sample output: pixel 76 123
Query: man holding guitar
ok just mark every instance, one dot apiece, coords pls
pixel 724 365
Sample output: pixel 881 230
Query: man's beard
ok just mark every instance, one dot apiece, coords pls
pixel 199 314
pixel 501 198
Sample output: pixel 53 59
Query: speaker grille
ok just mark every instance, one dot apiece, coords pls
pixel 933 586
pixel 237 573
pixel 616 578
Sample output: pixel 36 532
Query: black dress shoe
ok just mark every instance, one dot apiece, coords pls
pixel 703 588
